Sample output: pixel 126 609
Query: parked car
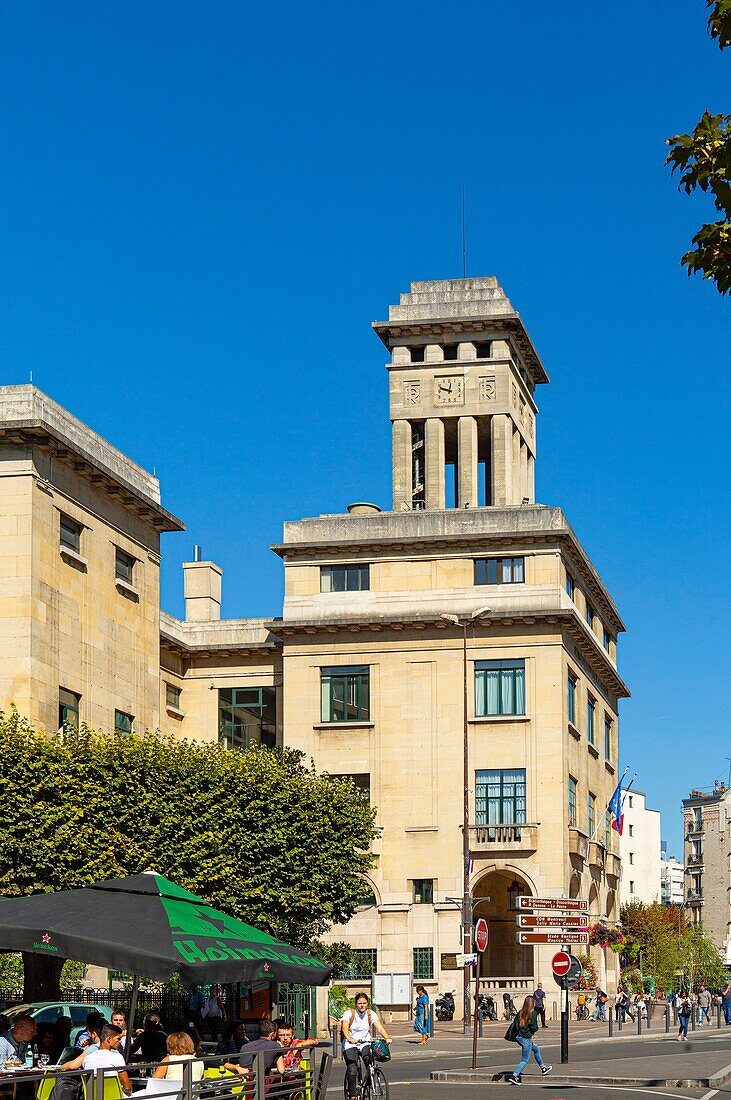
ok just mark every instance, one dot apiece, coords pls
pixel 47 1012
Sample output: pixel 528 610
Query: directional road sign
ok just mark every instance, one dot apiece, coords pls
pixel 552 937
pixel 481 934
pixel 545 920
pixel 566 905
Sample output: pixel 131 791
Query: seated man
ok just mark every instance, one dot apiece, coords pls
pixel 15 1042
pixel 94 1023
pixel 268 1044
pixel 105 1055
pixel 293 1048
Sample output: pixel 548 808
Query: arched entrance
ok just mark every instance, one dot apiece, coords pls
pixel 494 898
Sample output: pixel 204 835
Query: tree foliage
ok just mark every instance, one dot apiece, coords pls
pixel 703 159
pixel 668 948
pixel 258 834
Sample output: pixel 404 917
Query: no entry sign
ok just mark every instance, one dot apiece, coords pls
pixel 561 964
pixel 481 934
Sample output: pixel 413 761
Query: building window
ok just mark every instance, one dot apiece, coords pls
pixel 631 857
pixel 500 797
pixel 247 716
pixel 590 615
pixel 362 967
pixel 592 814
pixel 697 816
pixel 607 828
pixel 606 639
pixel 344 578
pixel 499 688
pixel 631 886
pixel 361 780
pixel 345 694
pixel 573 786
pixel 450 351
pixel 124 565
pixel 570 585
pixel 423 891
pixel 571 690
pixel 483 350
pixel 424 963
pixel 590 708
pixel 499 570
pixel 68 709
pixel 172 696
pixel 123 722
pixel 607 737
pixel 630 801
pixel 417 353
pixel 70 533
pixel 631 830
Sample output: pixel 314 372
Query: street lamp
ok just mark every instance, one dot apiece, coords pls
pixel 466 897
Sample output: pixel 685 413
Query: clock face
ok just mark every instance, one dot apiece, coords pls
pixel 449 391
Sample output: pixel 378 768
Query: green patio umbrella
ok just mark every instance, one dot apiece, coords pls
pixel 147 925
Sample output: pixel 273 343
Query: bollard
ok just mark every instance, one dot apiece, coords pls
pixel 620 1020
pixel 611 1026
pixel 692 1019
pixel 431 1021
pixel 648 1021
pixel 639 1021
pixel 335 1042
pixel 667 1019
pixel 554 1017
pixel 718 1016
pixel 479 1024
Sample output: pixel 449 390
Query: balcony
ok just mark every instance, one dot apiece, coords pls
pixel 696 861
pixel 695 897
pixel 578 842
pixel 612 865
pixel 695 829
pixel 596 854
pixel 516 837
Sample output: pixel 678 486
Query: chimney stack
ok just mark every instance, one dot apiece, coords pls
pixel 202 589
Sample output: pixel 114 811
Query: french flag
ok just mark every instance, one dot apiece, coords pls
pixel 615 809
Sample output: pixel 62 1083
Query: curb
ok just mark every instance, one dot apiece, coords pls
pixel 478 1078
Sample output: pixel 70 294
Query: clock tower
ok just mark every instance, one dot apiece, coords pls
pixel 463 374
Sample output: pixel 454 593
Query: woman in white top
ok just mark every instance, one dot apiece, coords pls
pixel 180 1050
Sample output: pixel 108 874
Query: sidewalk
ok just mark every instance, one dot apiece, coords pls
pixel 703 1062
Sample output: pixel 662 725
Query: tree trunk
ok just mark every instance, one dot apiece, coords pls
pixel 42 977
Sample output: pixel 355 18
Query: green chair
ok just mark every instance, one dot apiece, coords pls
pixel 45 1087
pixel 112 1087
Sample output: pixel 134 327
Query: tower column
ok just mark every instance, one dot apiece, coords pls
pixel 531 478
pixel 523 473
pixel 434 442
pixel 501 442
pixel 514 489
pixel 402 465
pixel 467 492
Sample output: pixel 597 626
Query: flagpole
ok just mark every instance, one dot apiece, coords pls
pixel 597 826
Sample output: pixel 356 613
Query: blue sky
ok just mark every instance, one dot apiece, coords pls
pixel 204 206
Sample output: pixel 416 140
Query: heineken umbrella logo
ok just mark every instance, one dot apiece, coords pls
pixel 46 938
pixel 266 967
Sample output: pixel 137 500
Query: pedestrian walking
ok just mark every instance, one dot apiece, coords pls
pixel 213 1014
pixel 685 1011
pixel 726 1002
pixel 421 1014
pixel 526 1025
pixel 704 1005
pixel 539 996
pixel 601 1005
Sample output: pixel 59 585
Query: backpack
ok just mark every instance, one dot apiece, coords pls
pixel 67 1088
pixel 350 1023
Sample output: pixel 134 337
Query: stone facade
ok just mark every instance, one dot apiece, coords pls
pixel 364 670
pixel 707 853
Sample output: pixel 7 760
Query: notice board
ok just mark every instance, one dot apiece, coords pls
pixel 391 989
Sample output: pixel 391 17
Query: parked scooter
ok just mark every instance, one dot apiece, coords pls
pixel 444 1005
pixel 486 1008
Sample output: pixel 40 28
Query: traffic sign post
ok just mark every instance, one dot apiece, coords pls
pixel 544 920
pixel 539 935
pixel 566 970
pixel 480 942
pixel 564 905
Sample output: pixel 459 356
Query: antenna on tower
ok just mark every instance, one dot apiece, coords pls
pixel 464 240
pixel 729 771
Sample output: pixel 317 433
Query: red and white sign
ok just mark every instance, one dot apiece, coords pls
pixel 481 934
pixel 567 905
pixel 544 920
pixel 536 936
pixel 561 964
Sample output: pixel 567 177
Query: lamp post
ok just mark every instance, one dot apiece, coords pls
pixel 464 623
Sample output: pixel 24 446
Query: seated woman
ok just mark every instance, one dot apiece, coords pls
pixel 180 1050
pixel 234 1037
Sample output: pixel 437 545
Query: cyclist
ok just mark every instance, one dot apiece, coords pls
pixel 356 1024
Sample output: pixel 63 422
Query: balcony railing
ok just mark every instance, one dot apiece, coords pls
pixel 511 837
pixel 696 861
pixel 695 897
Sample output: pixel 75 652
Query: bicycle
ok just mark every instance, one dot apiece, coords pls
pixel 372 1085
pixel 582 1012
